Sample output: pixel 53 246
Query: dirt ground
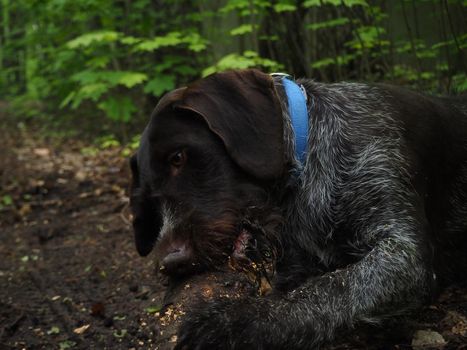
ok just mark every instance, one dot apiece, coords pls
pixel 70 277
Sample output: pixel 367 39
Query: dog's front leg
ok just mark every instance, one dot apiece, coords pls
pixel 391 278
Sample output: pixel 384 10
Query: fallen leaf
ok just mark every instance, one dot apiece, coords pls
pixel 24 210
pixel 120 334
pixel 42 152
pixel 82 329
pixel 53 330
pixel 80 175
pixel 66 344
pixel 153 309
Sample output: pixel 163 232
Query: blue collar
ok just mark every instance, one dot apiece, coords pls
pixel 296 100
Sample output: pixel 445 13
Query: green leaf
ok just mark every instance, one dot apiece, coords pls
pixel 185 70
pixel 110 78
pixel 236 61
pixel 160 84
pixel 243 29
pixel 120 333
pixel 7 200
pixel 118 108
pixel 66 344
pixel 130 79
pixel 323 63
pixel 405 72
pixel 427 53
pixel 92 91
pixel 333 2
pixel 129 40
pixel 345 59
pixel 98 62
pixel 171 39
pixel 53 330
pixel 351 3
pixel 153 309
pixel 245 7
pixel 427 75
pixel 195 42
pixel 338 60
pixel 284 8
pixel 442 67
pixel 311 3
pixel 367 37
pixel 232 61
pixel 459 82
pixel 88 39
pixel 86 77
pixel 328 24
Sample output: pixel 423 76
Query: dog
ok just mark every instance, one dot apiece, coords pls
pixel 365 221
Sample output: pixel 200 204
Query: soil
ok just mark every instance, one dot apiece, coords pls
pixel 70 277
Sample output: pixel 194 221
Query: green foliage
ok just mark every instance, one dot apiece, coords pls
pixel 118 108
pixel 153 309
pixel 243 29
pixel 113 60
pixel 460 82
pixel 349 3
pixel 89 39
pixel 248 59
pixel 329 24
pixel 66 344
pixel 6 201
pixel 160 84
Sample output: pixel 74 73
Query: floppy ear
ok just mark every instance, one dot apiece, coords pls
pixel 147 220
pixel 146 213
pixel 242 108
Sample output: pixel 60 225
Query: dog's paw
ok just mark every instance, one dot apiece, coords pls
pixel 222 324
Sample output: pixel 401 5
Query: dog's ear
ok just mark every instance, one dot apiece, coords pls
pixel 146 212
pixel 145 208
pixel 243 109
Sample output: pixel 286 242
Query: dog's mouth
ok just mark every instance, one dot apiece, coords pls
pixel 217 245
pixel 181 257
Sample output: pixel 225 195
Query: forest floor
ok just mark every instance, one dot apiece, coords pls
pixel 70 277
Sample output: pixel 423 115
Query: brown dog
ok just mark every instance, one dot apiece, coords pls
pixel 361 228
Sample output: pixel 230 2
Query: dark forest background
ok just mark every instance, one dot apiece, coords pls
pixel 96 68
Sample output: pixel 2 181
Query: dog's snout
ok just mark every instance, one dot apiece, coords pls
pixel 177 258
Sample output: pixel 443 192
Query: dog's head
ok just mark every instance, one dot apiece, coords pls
pixel 208 154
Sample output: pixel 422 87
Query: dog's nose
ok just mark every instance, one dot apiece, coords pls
pixel 177 259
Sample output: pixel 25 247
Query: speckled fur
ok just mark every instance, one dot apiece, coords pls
pixel 357 245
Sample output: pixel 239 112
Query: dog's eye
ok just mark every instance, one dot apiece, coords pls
pixel 177 159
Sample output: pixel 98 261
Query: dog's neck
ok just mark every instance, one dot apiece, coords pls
pixel 295 113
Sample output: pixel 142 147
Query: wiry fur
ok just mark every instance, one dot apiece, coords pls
pixel 361 229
